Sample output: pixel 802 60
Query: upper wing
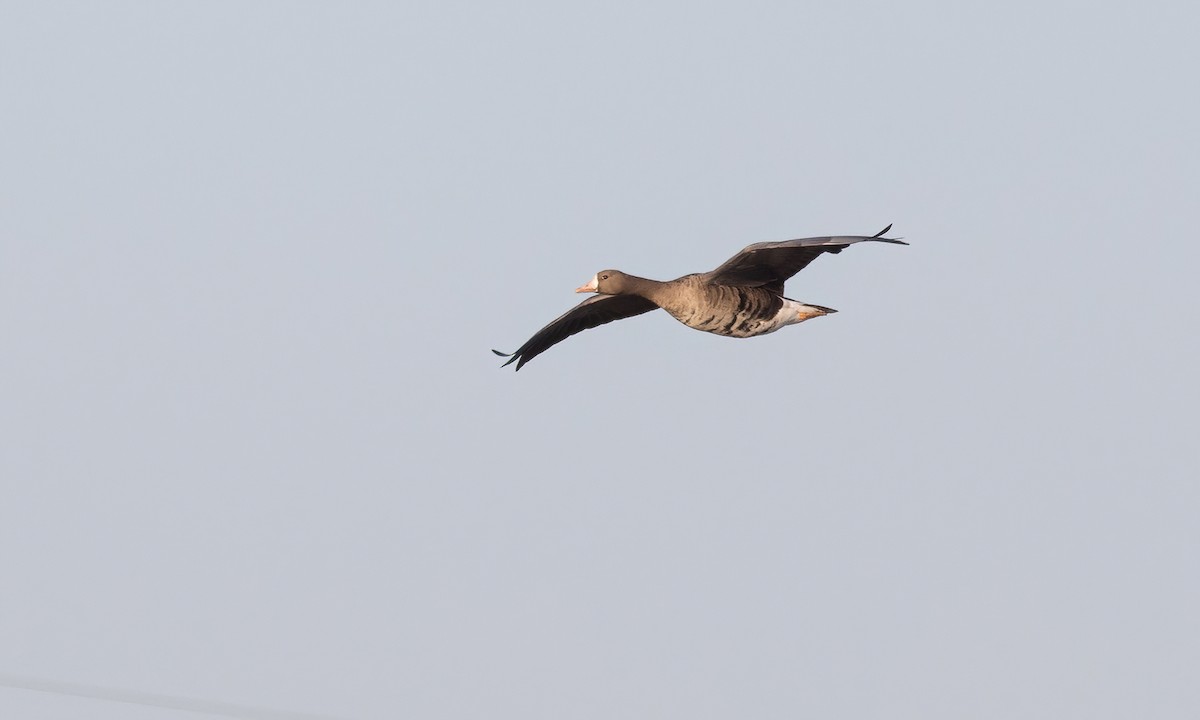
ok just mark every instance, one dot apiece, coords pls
pixel 596 310
pixel 769 264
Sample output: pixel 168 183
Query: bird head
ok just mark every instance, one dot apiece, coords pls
pixel 605 282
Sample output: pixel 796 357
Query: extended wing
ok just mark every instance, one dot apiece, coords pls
pixel 770 264
pixel 590 313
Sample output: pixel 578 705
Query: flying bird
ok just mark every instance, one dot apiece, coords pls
pixel 741 298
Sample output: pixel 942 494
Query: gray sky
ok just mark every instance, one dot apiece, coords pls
pixel 256 450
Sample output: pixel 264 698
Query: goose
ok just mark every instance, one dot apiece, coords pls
pixel 742 298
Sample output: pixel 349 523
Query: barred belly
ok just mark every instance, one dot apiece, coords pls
pixel 740 312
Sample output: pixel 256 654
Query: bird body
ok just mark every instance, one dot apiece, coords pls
pixel 726 310
pixel 741 298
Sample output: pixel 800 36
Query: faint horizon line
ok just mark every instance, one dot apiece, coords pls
pixel 134 697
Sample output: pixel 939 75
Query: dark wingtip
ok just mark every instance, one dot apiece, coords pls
pixel 512 358
pixel 880 236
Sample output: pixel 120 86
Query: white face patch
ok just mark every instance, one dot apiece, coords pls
pixel 591 284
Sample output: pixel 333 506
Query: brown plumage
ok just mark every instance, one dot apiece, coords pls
pixel 741 298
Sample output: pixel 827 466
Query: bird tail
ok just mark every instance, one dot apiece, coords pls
pixel 816 310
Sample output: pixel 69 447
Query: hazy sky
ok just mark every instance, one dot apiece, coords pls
pixel 254 449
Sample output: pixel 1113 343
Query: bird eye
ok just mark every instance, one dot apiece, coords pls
pixel 604 276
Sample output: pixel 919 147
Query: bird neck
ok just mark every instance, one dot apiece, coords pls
pixel 644 287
